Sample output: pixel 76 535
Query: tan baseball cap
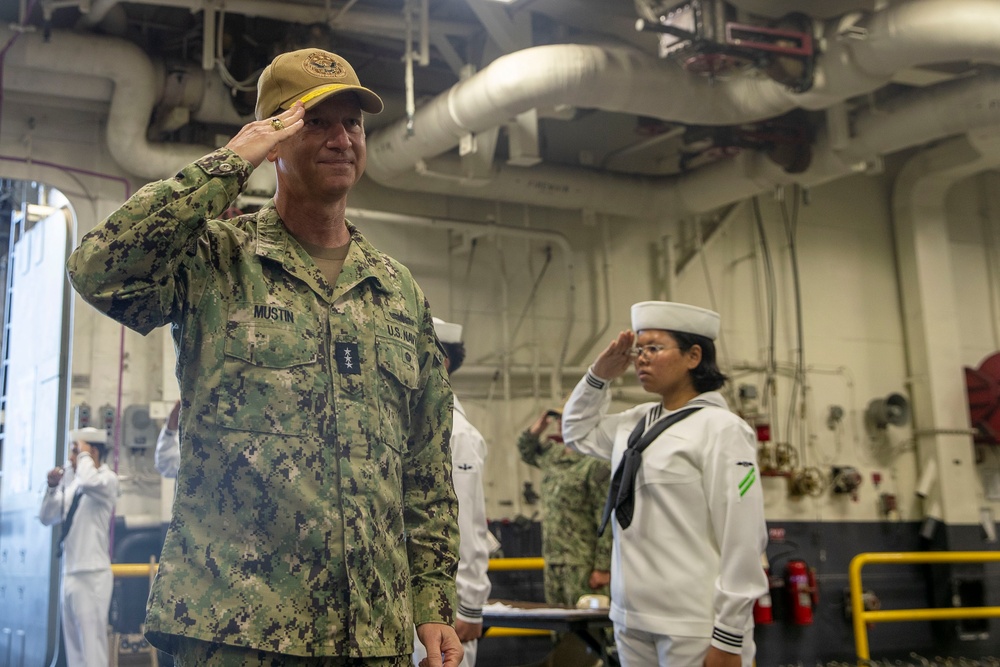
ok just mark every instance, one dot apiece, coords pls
pixel 310 75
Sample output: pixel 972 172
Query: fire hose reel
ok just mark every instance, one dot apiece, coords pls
pixel 982 386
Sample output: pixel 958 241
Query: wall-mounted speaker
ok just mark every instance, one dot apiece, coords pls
pixel 894 409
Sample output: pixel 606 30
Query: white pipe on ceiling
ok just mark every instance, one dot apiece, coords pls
pixel 861 54
pixel 614 79
pixel 358 20
pixel 607 78
pixel 914 119
pixel 138 84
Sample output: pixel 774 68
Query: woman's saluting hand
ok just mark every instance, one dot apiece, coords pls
pixel 616 357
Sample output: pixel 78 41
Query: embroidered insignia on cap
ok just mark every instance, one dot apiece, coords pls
pixel 318 64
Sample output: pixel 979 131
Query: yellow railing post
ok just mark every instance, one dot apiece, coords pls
pixel 861 617
pixel 123 570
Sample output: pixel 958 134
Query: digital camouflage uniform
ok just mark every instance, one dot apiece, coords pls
pixel 314 513
pixel 574 488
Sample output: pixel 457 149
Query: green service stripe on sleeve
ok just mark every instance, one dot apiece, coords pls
pixel 748 481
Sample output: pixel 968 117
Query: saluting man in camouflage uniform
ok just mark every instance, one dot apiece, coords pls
pixel 574 486
pixel 314 520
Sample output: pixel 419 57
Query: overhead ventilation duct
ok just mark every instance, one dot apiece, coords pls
pixel 861 52
pixel 857 49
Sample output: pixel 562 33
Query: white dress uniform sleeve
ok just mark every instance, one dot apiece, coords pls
pixel 472 581
pixel 167 456
pixel 53 505
pixel 585 425
pixel 736 503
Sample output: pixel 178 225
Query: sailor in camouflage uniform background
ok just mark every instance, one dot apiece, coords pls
pixel 314 514
pixel 574 487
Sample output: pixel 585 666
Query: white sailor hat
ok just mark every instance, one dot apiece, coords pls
pixel 89 434
pixel 671 316
pixel 447 332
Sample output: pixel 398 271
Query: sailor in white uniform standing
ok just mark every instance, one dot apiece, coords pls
pixel 468 455
pixel 685 499
pixel 83 507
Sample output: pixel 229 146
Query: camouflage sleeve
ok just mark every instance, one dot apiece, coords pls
pixel 598 483
pixel 531 449
pixel 430 505
pixel 128 266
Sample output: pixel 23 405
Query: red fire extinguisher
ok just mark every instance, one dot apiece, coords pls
pixel 763 614
pixel 802 592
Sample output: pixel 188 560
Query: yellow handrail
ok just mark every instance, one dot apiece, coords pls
pixel 496 565
pixel 860 617
pixel 507 564
pixel 515 632
pixel 134 569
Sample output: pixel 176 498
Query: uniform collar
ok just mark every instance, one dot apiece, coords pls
pixel 459 408
pixel 363 261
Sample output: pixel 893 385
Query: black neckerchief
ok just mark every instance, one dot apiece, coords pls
pixel 621 495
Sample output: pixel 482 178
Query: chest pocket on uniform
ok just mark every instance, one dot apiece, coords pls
pixel 271 375
pixel 397 377
pixel 667 462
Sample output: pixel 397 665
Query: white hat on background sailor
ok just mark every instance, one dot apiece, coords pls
pixel 89 435
pixel 447 332
pixel 672 316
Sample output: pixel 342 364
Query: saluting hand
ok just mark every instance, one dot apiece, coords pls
pixel 256 139
pixel 55 476
pixel 540 425
pixel 616 357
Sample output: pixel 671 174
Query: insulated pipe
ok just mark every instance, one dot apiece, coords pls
pixel 862 54
pixel 912 119
pixel 358 21
pixel 133 100
pixel 134 96
pixel 927 31
pixel 607 78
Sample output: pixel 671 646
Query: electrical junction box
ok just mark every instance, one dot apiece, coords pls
pixel 139 431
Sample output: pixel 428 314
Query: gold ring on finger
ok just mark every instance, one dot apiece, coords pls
pixel 277 124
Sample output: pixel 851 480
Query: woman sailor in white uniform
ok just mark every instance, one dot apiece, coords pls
pixel 687 511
